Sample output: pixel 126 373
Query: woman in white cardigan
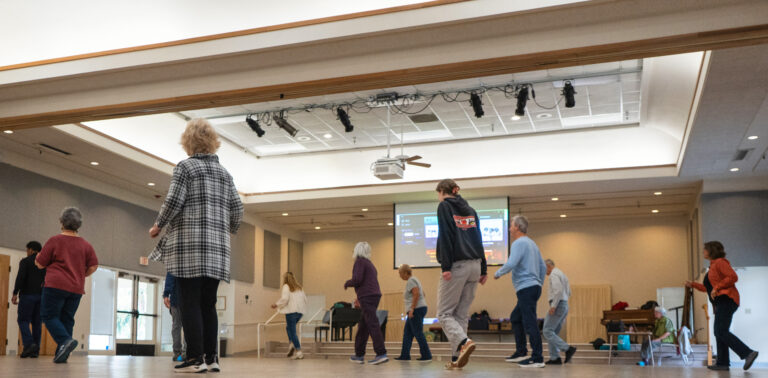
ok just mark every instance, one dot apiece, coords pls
pixel 292 303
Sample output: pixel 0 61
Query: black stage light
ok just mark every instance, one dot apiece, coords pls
pixel 344 118
pixel 568 93
pixel 522 98
pixel 477 105
pixel 254 125
pixel 285 126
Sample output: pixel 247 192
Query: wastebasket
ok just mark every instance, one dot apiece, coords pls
pixel 222 347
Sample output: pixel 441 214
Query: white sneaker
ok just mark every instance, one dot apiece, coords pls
pixel 298 355
pixel 213 364
pixel 191 366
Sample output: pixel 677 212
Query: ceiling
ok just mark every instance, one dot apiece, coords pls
pixel 732 111
pixel 607 94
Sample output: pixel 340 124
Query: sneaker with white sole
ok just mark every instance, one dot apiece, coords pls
pixel 213 363
pixel 380 359
pixel 62 353
pixel 357 359
pixel 452 366
pixel 529 363
pixel 298 355
pixel 517 357
pixel 195 365
pixel 466 351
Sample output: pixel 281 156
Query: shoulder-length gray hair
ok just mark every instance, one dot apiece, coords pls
pixel 362 250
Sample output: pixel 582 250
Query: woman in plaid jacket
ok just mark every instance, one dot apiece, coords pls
pixel 201 210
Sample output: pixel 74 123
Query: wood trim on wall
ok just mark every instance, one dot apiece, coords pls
pixel 239 33
pixel 719 39
pixel 461 179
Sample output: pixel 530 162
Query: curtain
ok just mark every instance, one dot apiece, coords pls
pixel 585 310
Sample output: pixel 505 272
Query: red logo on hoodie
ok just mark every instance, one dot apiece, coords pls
pixel 465 222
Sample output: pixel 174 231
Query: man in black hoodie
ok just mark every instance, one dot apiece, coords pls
pixel 27 295
pixel 461 256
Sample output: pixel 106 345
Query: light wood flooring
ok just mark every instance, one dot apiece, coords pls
pixel 120 366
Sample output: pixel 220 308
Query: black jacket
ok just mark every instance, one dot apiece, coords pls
pixel 459 236
pixel 29 279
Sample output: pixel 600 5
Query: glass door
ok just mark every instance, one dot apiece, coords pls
pixel 136 315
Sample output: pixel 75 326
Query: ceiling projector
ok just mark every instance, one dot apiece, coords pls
pixel 388 168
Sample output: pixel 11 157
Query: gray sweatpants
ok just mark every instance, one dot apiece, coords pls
pixel 178 346
pixel 454 298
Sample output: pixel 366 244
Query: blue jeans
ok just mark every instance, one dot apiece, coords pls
pixel 290 327
pixel 523 319
pixel 29 314
pixel 552 326
pixel 414 327
pixel 57 309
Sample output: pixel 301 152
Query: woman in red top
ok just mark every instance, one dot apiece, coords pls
pixel 720 285
pixel 68 259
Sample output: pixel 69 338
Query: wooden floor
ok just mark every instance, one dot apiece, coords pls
pixel 111 366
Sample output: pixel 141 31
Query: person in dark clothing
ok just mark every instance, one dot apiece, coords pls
pixel 720 284
pixel 171 301
pixel 461 256
pixel 26 294
pixel 366 284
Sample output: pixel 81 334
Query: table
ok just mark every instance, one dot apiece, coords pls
pixel 647 334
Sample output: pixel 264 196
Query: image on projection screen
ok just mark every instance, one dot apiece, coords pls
pixel 416 231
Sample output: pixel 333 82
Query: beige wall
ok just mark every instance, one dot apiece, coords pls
pixel 635 256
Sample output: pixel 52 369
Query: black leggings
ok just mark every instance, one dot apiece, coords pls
pixel 197 299
pixel 724 310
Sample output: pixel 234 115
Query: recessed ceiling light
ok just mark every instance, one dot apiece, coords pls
pixel 734 169
pixel 515 117
pixel 390 224
pixel 317 227
pixel 151 183
pixel 563 216
pixel 8 131
pixel 555 199
pixel 94 163
pixel 327 136
pixel 364 209
pixel 285 214
pixel 752 137
pixel 543 115
pixel 656 193
pixel 655 211
pixel 303 138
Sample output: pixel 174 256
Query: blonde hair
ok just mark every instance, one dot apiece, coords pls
pixel 200 138
pixel 290 280
pixel 405 269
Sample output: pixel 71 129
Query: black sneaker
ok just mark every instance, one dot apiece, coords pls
pixel 26 351
pixel 517 357
pixel 749 360
pixel 718 367
pixel 558 361
pixel 569 353
pixel 401 358
pixel 195 365
pixel 62 354
pixel 424 359
pixel 530 363
pixel 213 363
pixel 35 353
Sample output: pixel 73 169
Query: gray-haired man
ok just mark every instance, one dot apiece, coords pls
pixel 559 292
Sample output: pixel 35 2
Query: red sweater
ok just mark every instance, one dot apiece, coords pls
pixel 723 279
pixel 66 258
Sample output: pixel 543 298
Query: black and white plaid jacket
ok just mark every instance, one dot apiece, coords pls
pixel 202 209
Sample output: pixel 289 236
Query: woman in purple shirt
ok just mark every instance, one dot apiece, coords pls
pixel 368 295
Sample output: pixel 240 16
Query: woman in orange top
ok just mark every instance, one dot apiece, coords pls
pixel 720 284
